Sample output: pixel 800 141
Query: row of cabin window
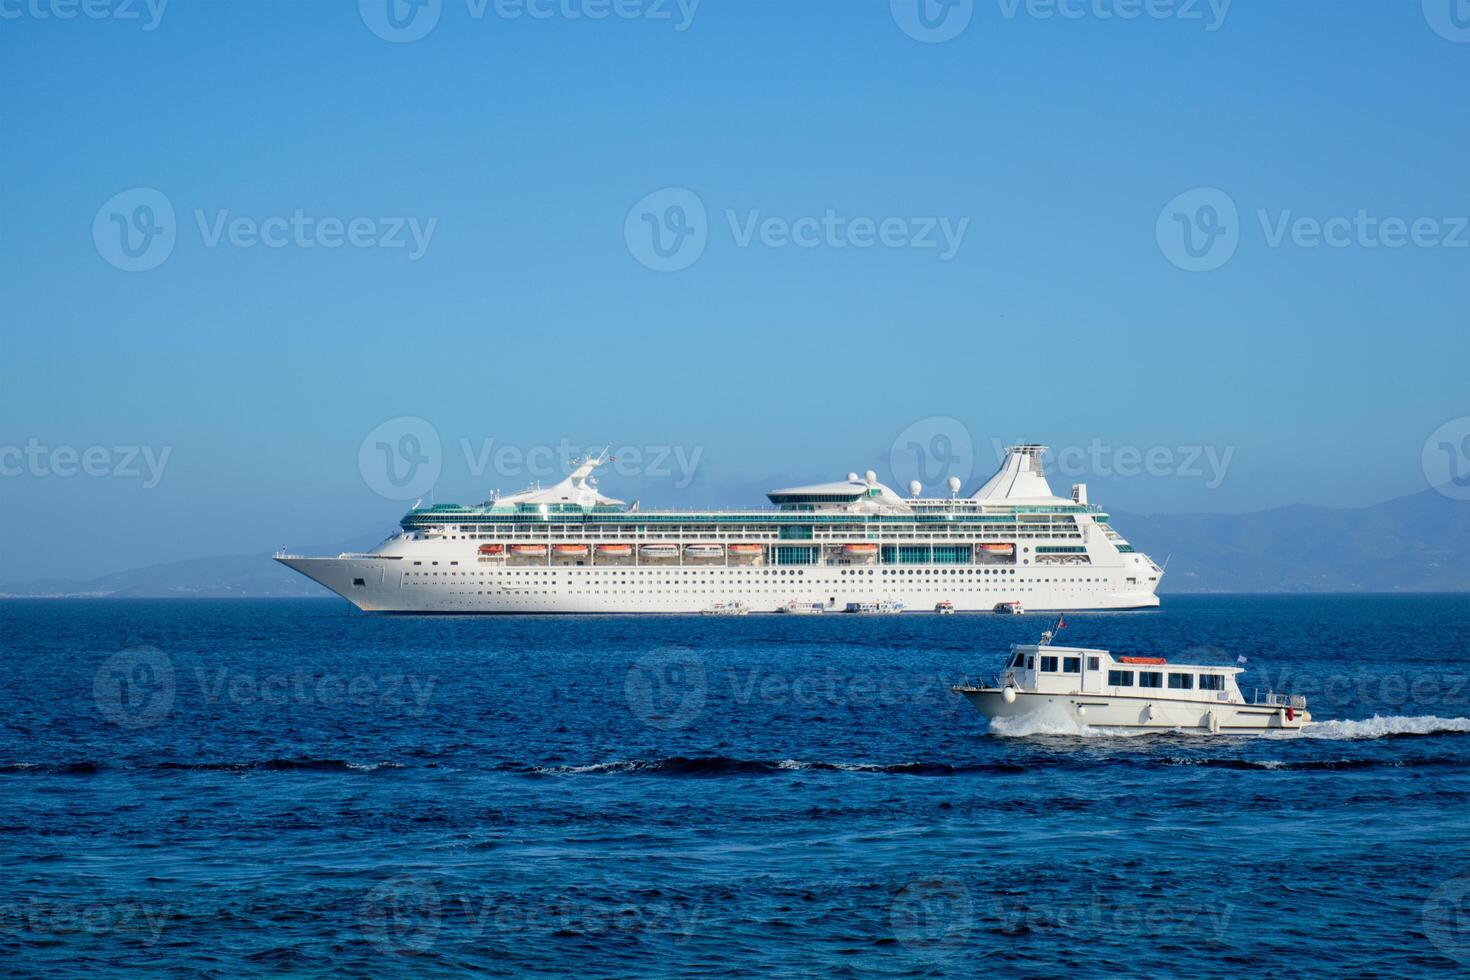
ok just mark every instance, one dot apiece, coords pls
pixel 1124 678
pixel 1177 682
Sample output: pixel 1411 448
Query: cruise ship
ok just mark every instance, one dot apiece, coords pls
pixel 851 544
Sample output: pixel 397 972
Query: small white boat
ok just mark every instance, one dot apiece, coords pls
pixel 659 551
pixel 1075 686
pixel 704 551
pixel 795 608
pixel 944 607
pixel 1009 608
pixel 888 607
pixel 725 609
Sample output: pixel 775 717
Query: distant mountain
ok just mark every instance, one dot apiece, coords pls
pixel 224 577
pixel 1419 543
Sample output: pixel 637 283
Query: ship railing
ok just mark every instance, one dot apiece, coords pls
pixel 1274 700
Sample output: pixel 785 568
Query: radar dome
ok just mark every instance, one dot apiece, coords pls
pixel 954 484
pixel 870 478
pixel 915 487
pixel 852 478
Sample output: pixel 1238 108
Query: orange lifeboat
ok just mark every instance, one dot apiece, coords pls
pixel 745 549
pixel 999 549
pixel 615 550
pixel 1149 661
pixel 864 550
pixel 569 550
pixel 528 550
pixel 492 549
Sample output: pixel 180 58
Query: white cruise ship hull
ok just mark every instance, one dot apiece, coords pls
pixel 1137 712
pixel 456 583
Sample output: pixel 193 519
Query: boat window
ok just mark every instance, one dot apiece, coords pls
pixel 1049 664
pixel 1019 660
pixel 1150 678
pixel 1211 682
pixel 1181 682
pixel 1071 665
pixel 1120 678
pixel 1093 664
pixel 1030 663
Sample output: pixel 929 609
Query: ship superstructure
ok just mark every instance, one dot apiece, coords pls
pixel 569 548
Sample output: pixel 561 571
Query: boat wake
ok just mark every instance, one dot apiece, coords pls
pixel 1381 727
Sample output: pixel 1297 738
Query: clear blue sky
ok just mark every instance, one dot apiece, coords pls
pixel 528 319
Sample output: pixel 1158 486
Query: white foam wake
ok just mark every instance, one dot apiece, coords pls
pixel 1379 727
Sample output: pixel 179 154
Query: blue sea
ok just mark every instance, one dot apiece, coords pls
pixel 292 787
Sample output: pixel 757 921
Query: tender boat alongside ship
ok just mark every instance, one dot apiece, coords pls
pixel 569 548
pixel 1077 686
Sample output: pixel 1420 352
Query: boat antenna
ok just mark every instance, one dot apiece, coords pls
pixel 1048 635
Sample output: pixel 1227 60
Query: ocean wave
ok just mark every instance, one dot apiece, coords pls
pixel 724 766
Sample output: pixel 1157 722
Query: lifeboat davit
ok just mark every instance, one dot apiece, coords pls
pixel 492 549
pixel 533 550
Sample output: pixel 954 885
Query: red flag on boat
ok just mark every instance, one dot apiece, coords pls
pixel 1061 622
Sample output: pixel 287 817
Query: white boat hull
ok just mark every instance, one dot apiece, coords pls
pixel 455 583
pixel 1137 712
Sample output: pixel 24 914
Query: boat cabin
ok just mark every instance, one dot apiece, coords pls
pixel 1042 669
